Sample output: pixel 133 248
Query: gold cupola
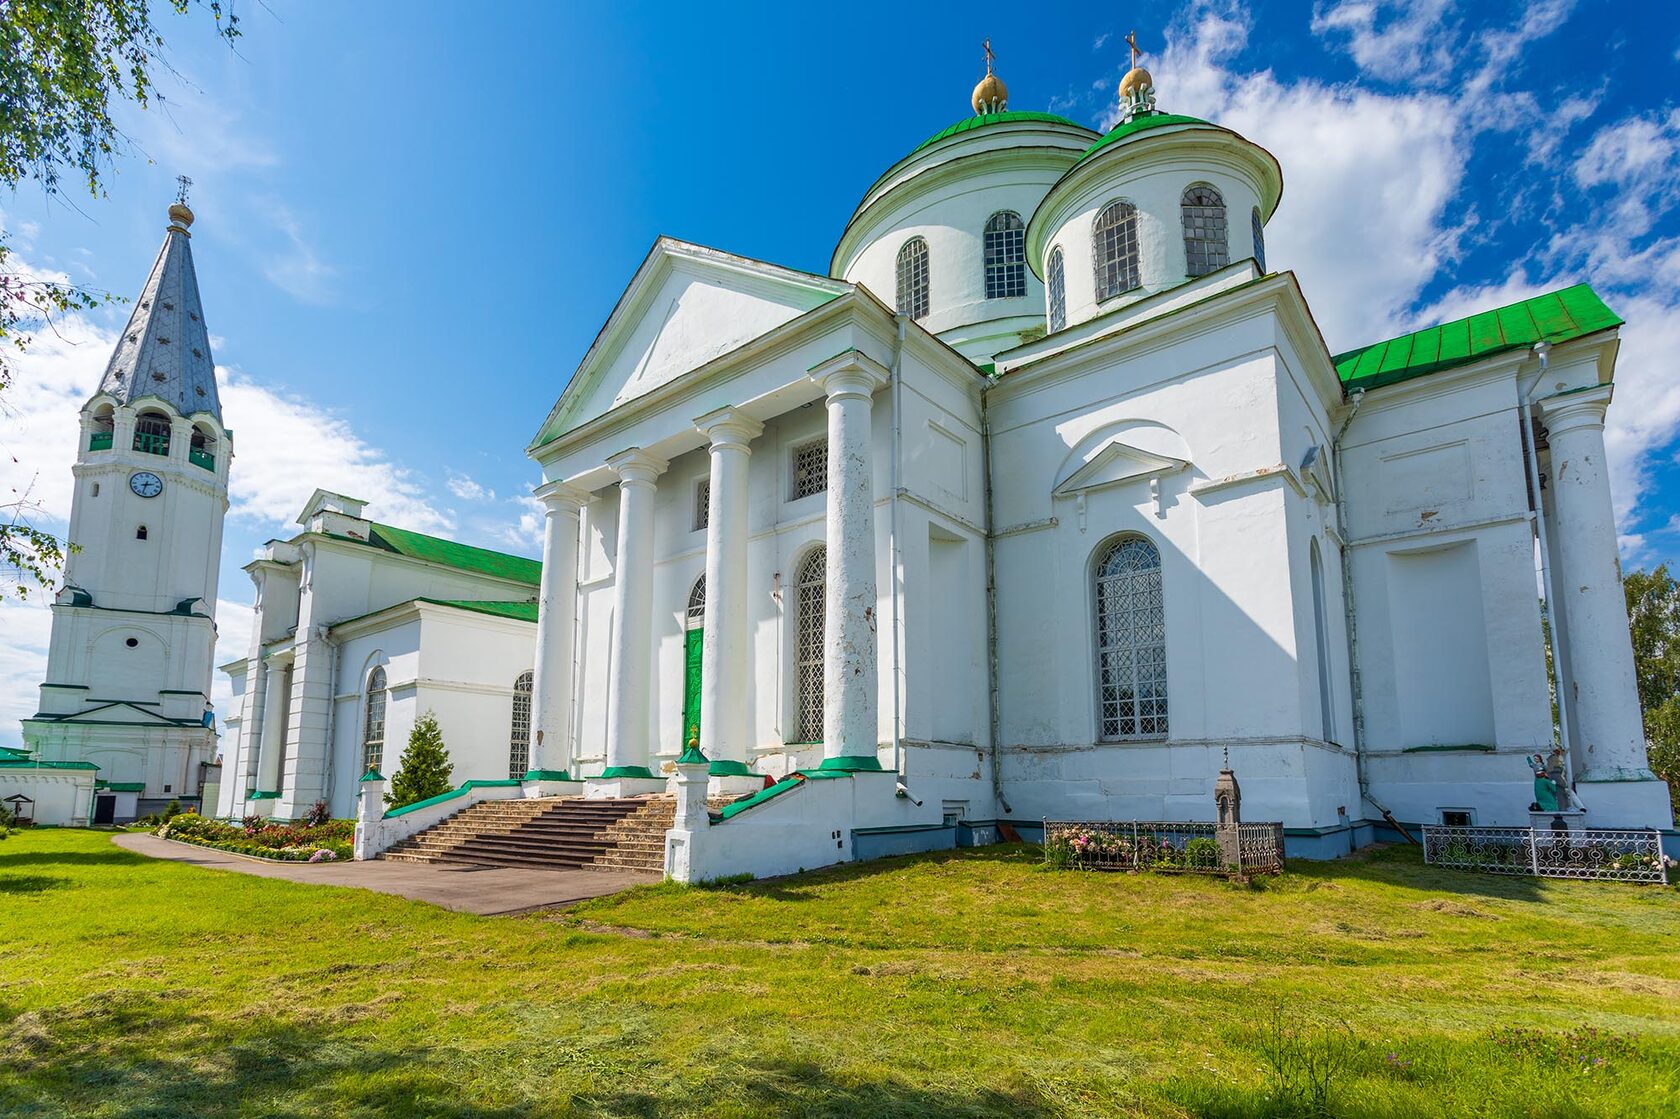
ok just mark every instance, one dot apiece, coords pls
pixel 991 95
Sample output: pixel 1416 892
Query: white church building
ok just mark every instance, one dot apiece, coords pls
pixel 1044 498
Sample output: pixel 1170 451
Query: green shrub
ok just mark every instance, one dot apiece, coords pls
pixel 1203 853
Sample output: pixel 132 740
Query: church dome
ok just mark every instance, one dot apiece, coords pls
pixel 1161 200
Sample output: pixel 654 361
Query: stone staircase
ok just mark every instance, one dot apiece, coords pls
pixel 549 833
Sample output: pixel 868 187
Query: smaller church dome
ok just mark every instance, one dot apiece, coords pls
pixel 991 95
pixel 1137 80
pixel 180 214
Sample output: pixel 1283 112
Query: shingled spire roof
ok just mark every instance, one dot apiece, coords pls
pixel 164 351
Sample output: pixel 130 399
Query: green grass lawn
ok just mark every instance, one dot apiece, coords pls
pixel 962 984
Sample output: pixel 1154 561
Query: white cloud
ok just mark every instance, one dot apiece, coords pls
pixel 1392 39
pixel 25 627
pixel 467 489
pixel 296 268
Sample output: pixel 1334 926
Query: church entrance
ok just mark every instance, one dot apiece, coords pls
pixel 104 809
pixel 693 643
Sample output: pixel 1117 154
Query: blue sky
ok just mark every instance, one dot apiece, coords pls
pixel 412 219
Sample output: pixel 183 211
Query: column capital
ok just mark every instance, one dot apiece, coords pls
pixel 729 427
pixel 1583 407
pixel 637 465
pixel 561 497
pixel 852 373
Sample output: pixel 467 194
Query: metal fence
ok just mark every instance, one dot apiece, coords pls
pixel 1171 846
pixel 1609 854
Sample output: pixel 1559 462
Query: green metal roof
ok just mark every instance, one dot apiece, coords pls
pixel 29 763
pixel 433 549
pixel 1557 316
pixel 519 611
pixel 1136 125
pixel 1006 117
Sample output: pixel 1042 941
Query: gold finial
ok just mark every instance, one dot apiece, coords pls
pixel 991 95
pixel 180 216
pixel 1137 87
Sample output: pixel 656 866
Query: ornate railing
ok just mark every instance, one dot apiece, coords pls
pixel 99 441
pixel 1182 847
pixel 1610 854
pixel 151 442
pixel 201 458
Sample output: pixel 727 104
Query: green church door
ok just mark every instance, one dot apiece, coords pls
pixel 691 685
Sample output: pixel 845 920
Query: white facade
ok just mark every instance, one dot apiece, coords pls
pixel 128 665
pixel 361 629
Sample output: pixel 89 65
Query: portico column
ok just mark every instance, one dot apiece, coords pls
pixel 273 726
pixel 632 625
pixel 1611 737
pixel 851 682
pixel 724 659
pixel 553 669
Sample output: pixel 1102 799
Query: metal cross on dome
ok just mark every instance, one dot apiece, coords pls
pixel 185 184
pixel 1131 41
pixel 990 57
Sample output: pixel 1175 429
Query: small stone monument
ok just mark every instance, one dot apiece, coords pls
pixel 688 828
pixel 1227 802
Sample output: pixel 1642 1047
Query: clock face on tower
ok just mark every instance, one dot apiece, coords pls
pixel 145 483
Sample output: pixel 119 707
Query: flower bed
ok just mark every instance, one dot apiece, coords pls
pixel 1181 847
pixel 311 843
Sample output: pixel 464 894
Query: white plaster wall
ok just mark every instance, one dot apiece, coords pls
pixel 62 797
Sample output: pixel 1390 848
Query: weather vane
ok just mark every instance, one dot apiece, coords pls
pixel 181 195
pixel 1131 41
pixel 990 57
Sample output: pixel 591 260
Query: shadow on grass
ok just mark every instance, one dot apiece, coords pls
pixel 31 883
pixel 1402 866
pixel 147 1061
pixel 797 887
pixel 115 855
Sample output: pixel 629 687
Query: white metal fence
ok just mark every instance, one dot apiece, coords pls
pixel 1609 854
pixel 1172 846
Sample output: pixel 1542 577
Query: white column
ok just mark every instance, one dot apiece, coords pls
pixel 725 661
pixel 851 681
pixel 1610 743
pixel 632 626
pixel 273 732
pixel 554 669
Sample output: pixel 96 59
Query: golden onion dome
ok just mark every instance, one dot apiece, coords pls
pixel 1137 80
pixel 991 95
pixel 180 215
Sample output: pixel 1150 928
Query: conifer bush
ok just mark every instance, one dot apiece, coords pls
pixel 425 770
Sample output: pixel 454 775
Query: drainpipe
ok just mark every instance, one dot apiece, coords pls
pixel 991 612
pixel 1356 684
pixel 1525 422
pixel 894 556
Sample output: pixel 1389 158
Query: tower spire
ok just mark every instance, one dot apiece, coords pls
pixel 164 352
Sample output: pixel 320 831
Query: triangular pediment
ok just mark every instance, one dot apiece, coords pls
pixel 118 712
pixel 1115 463
pixel 686 305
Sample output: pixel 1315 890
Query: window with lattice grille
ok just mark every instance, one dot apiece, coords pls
pixel 1256 227
pixel 1131 642
pixel 702 504
pixel 697 602
pixel 1006 256
pixel 809 590
pixel 519 734
pixel 913 278
pixel 1057 282
pixel 373 723
pixel 1114 247
pixel 810 469
pixel 1205 241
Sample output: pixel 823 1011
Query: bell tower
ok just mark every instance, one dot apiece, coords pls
pixel 134 632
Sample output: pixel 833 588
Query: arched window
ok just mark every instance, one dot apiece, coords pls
pixel 202 451
pixel 1006 255
pixel 104 424
pixel 1259 238
pixel 1131 641
pixel 1057 280
pixel 1321 629
pixel 519 734
pixel 913 278
pixel 808 646
pixel 140 533
pixel 697 603
pixel 1205 241
pixel 373 723
pixel 151 433
pixel 1114 247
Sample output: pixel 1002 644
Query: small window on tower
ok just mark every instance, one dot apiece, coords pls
pixel 95 492
pixel 140 533
pixel 132 642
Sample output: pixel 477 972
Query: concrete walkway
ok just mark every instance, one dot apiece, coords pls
pixel 466 889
